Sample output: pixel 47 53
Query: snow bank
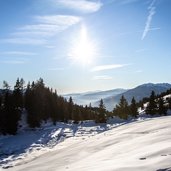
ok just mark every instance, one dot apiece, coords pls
pixel 28 144
pixel 142 145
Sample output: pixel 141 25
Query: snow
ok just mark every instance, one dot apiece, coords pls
pixel 143 144
pixel 29 144
pixel 167 96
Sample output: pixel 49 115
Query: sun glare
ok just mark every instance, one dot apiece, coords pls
pixel 83 50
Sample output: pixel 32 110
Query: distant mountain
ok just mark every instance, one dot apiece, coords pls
pixel 112 97
pixel 93 97
pixel 138 92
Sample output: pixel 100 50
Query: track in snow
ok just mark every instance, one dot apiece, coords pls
pixel 142 145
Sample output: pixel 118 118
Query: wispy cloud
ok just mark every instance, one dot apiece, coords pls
pixel 14 62
pixel 152 11
pixel 22 33
pixel 50 46
pixel 154 28
pixel 55 69
pixel 85 6
pixel 107 67
pixel 140 50
pixel 22 53
pixel 102 77
pixel 49 25
pixel 128 1
pixel 122 2
pixel 43 28
pixel 59 20
pixel 24 41
pixel 120 34
pixel 139 71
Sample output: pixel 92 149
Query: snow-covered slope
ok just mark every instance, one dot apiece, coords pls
pixel 138 92
pixel 144 145
pixel 31 143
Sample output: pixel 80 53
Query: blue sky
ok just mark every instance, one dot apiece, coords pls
pixel 85 45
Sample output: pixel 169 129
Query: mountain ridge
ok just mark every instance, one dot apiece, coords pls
pixel 112 97
pixel 138 93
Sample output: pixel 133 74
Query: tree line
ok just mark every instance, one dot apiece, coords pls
pixel 41 103
pixel 155 104
pixel 123 109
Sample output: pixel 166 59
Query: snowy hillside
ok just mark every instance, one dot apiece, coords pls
pixel 141 145
pixel 31 143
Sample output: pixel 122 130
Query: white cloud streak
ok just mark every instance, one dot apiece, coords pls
pixel 24 41
pixel 22 53
pixel 124 2
pixel 139 71
pixel 23 33
pixel 152 11
pixel 154 28
pixel 50 46
pixel 48 25
pixel 59 20
pixel 55 69
pixel 106 67
pixel 43 28
pixel 102 77
pixel 14 62
pixel 84 6
pixel 140 50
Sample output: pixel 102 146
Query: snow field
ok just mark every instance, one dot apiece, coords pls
pixel 141 145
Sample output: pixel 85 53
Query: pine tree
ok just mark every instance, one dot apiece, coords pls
pixel 169 103
pixel 141 104
pixel 31 101
pixel 133 108
pixel 76 113
pixel 27 96
pixel 101 117
pixel 70 108
pixel 122 109
pixel 152 105
pixel 1 116
pixel 0 101
pixel 6 86
pixel 162 109
pixel 18 94
pixel 3 111
pixel 90 112
pixel 11 113
pixel 65 110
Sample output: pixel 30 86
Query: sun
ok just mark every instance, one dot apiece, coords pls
pixel 83 50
